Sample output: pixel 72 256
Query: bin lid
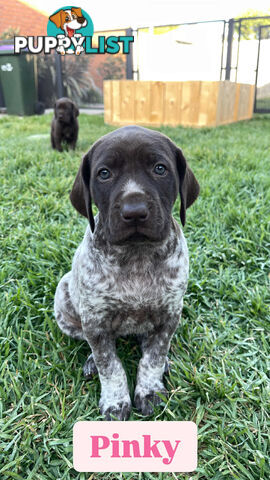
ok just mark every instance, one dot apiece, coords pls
pixel 8 49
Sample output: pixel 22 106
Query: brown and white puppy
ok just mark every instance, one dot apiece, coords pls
pixel 69 20
pixel 130 272
pixel 64 128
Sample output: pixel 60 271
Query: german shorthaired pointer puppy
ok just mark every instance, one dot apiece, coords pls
pixel 130 272
pixel 65 126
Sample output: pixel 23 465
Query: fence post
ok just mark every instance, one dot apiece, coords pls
pixel 257 69
pixel 229 49
pixel 59 75
pixel 129 59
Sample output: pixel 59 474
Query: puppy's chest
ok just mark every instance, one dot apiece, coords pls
pixel 134 299
pixel 68 131
pixel 136 288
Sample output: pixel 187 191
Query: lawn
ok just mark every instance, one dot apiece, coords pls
pixel 221 356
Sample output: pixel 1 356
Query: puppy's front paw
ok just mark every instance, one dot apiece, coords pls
pixel 89 368
pixel 146 400
pixel 117 411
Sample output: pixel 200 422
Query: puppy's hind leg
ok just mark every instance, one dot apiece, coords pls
pixel 70 322
pixel 52 140
pixel 67 318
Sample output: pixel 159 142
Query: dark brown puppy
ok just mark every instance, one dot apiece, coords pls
pixel 64 124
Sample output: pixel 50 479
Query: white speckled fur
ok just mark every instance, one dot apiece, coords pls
pixel 132 187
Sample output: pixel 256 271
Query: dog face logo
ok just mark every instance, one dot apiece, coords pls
pixel 69 20
pixel 72 23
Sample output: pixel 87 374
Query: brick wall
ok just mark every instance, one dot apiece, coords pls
pixel 15 14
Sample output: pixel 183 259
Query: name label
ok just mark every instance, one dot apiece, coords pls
pixel 135 446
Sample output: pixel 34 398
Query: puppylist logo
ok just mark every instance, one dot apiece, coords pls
pixel 70 31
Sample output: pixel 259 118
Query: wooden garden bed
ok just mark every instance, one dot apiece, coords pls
pixel 193 103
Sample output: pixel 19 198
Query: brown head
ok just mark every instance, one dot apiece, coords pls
pixel 65 110
pixel 71 18
pixel 134 175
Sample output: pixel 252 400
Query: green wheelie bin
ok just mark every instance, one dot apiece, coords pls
pixel 17 77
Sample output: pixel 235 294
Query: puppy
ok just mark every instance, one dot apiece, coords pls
pixel 64 124
pixel 130 272
pixel 69 20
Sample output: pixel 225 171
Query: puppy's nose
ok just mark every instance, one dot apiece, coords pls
pixel 81 20
pixel 132 212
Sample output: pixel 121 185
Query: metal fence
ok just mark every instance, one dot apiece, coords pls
pixel 236 50
pixel 188 51
pixel 262 93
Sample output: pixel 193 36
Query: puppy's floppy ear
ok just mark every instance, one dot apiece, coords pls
pixel 80 195
pixel 56 18
pixel 78 11
pixel 189 188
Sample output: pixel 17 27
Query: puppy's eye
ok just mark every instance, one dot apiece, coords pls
pixel 104 174
pixel 160 169
pixel 73 16
pixel 67 19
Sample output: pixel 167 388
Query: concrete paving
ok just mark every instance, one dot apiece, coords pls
pixel 87 111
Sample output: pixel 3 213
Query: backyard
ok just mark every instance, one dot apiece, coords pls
pixel 219 375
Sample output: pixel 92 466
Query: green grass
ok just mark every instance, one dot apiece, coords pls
pixel 220 353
